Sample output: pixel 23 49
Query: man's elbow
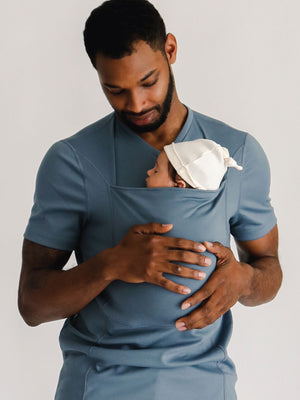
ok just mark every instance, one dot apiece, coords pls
pixel 265 286
pixel 276 278
pixel 28 310
pixel 279 279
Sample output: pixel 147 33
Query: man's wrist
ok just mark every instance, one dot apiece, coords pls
pixel 105 260
pixel 248 278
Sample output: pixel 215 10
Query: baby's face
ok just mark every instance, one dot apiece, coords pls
pixel 158 176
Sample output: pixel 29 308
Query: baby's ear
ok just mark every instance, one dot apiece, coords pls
pixel 180 182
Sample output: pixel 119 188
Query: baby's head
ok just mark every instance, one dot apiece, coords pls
pixel 163 174
pixel 199 164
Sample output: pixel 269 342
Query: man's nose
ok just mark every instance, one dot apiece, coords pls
pixel 135 102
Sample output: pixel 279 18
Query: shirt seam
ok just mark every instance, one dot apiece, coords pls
pixel 242 173
pixel 86 217
pixel 229 176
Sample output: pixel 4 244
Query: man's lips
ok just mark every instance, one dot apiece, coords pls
pixel 143 119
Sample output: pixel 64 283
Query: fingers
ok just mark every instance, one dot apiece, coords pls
pixel 173 287
pixel 170 242
pixel 152 228
pixel 201 317
pixel 184 244
pixel 202 294
pixel 217 248
pixel 217 296
pixel 184 272
pixel 188 257
pixel 207 313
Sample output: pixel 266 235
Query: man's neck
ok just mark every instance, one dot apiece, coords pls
pixel 170 129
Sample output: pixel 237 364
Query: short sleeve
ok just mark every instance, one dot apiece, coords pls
pixel 255 215
pixel 59 208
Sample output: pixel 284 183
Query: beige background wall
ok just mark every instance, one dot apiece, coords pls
pixel 238 61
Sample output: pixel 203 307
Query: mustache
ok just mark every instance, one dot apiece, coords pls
pixel 139 114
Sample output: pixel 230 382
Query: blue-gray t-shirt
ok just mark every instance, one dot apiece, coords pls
pixel 90 189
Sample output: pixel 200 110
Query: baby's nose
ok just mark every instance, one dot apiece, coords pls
pixel 149 171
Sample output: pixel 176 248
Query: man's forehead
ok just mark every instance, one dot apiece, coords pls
pixel 140 62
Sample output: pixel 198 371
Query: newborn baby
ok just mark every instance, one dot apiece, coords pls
pixel 199 164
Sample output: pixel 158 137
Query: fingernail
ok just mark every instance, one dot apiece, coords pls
pixel 207 261
pixel 201 275
pixel 185 306
pixel 209 243
pixel 186 290
pixel 201 248
pixel 181 326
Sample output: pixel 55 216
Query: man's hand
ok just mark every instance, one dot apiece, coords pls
pixel 253 281
pixel 223 289
pixel 143 255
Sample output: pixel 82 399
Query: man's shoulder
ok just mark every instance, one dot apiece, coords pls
pixel 92 132
pixel 219 131
pixel 211 123
pixel 93 143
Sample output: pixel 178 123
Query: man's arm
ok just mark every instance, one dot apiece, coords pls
pixel 47 292
pixel 254 280
pixel 261 256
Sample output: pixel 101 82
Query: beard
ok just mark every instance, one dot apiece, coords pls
pixel 163 111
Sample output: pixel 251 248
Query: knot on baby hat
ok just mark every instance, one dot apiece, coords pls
pixel 202 163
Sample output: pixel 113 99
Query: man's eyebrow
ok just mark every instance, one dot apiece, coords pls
pixel 111 86
pixel 141 80
pixel 148 75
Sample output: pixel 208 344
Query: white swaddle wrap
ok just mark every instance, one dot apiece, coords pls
pixel 202 163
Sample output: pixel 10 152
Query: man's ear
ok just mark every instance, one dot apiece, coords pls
pixel 171 48
pixel 180 182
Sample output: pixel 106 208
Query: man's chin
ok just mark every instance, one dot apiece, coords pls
pixel 142 128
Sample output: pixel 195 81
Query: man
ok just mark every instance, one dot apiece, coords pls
pixel 125 335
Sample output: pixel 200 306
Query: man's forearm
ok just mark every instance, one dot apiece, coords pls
pixel 265 282
pixel 48 295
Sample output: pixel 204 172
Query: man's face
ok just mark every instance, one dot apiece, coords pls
pixel 139 87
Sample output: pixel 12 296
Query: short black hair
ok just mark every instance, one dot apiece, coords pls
pixel 114 27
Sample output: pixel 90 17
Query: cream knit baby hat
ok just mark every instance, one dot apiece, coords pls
pixel 202 163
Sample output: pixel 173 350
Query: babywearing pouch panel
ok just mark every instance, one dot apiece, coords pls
pixel 195 214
